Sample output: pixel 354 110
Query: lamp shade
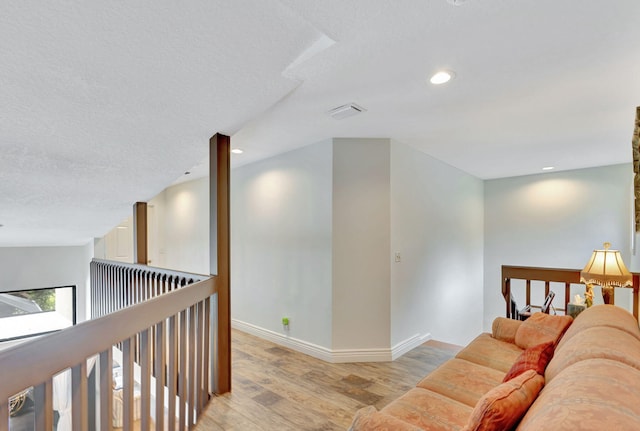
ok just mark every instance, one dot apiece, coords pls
pixel 606 269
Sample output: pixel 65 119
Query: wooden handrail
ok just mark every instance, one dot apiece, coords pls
pixel 551 275
pixel 36 362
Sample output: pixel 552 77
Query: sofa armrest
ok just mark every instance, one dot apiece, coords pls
pixel 504 329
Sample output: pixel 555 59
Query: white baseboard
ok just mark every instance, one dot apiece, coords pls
pixel 329 355
pixel 409 344
pixel 284 340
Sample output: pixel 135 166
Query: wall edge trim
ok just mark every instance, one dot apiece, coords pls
pixel 329 355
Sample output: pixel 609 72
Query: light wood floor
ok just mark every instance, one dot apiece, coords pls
pixel 275 388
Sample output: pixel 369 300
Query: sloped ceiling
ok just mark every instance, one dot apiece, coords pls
pixel 107 103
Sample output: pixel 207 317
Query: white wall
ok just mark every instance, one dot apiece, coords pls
pixel 314 232
pixel 553 220
pixel 117 244
pixel 179 227
pixel 361 243
pixel 281 243
pixel 437 226
pixel 36 267
pixel 371 197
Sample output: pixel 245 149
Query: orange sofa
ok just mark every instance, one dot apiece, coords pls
pixel 592 381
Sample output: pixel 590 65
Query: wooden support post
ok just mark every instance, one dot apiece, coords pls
pixel 79 395
pixel 219 250
pixel 43 398
pixel 140 251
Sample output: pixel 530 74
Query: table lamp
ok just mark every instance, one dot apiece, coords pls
pixel 605 269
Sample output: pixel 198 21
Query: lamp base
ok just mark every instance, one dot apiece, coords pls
pixel 607 295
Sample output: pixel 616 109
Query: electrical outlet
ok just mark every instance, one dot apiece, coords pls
pixel 398 258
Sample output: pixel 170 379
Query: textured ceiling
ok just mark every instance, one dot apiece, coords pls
pixel 107 103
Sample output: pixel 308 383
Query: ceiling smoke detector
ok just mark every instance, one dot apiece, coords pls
pixel 345 111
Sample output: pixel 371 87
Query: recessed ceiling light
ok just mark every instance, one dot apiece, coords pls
pixel 237 151
pixel 456 2
pixel 442 76
pixel 548 168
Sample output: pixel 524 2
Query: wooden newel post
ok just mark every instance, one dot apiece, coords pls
pixel 140 250
pixel 219 251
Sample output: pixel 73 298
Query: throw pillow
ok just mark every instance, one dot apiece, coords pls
pixel 534 358
pixel 502 407
pixel 504 329
pixel 541 328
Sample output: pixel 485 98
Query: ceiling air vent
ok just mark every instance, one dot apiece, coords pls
pixel 345 111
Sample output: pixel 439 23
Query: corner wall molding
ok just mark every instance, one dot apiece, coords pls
pixel 409 344
pixel 329 355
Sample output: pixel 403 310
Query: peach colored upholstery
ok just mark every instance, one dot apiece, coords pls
pixel 598 342
pixel 368 418
pixel 603 315
pixel 534 358
pixel 541 328
pixel 429 411
pixel 502 407
pixel 477 379
pixel 504 329
pixel 591 383
pixel 489 352
pixel 594 394
pixel 445 398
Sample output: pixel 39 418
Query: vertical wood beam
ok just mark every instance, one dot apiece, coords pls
pixel 636 291
pixel 506 292
pixel 191 372
pixel 182 370
pixel 106 390
pixel 127 384
pixel 43 397
pixel 206 352
pixel 4 414
pixel 159 366
pixel 219 250
pixel 79 394
pixel 172 373
pixel 140 251
pixel 635 146
pixel 145 380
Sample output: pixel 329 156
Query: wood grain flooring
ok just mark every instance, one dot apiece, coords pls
pixel 275 388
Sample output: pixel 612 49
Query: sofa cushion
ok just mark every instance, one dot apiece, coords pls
pixel 504 329
pixel 429 410
pixel 503 406
pixel 595 394
pixel 534 358
pixel 368 418
pixel 602 315
pixel 597 342
pixel 462 380
pixel 490 352
pixel 541 328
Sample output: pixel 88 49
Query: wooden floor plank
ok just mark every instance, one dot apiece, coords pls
pixel 278 388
